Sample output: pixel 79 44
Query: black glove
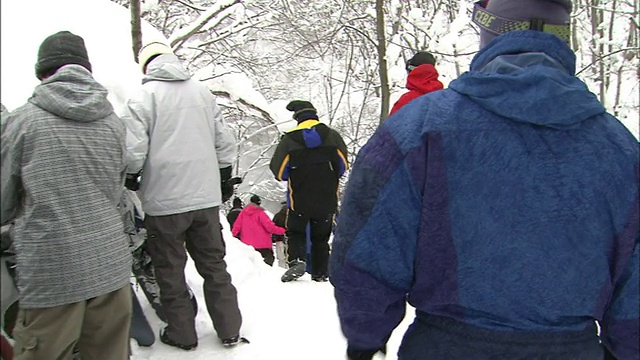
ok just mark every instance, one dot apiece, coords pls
pixel 225 174
pixel 131 182
pixel 353 354
pixel 227 183
pixel 228 187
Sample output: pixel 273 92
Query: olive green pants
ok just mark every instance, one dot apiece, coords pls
pixel 99 327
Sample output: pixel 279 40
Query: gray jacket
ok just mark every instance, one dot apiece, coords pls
pixel 63 162
pixel 176 135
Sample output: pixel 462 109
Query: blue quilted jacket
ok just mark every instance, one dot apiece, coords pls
pixel 508 202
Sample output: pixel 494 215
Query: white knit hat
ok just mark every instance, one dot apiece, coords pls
pixel 150 50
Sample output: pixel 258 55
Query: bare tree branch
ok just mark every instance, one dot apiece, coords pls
pixel 263 113
pixel 599 59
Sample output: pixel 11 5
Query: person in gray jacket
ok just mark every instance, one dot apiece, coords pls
pixel 180 147
pixel 63 169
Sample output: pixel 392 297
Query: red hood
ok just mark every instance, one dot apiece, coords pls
pixel 424 79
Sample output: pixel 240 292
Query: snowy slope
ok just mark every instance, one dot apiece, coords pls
pixel 295 320
pixel 104 25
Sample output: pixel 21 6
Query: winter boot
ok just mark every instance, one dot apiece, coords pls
pixel 320 278
pixel 234 340
pixel 165 339
pixel 296 269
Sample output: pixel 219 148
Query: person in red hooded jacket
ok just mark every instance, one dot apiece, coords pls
pixel 254 228
pixel 422 78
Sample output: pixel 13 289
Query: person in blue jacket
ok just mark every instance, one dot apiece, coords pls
pixel 504 209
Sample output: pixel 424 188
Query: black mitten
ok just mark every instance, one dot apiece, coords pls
pixel 131 182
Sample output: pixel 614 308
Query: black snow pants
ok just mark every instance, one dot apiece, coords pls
pixel 320 228
pixel 199 230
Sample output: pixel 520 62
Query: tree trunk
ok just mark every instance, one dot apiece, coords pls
pixel 597 51
pixel 382 60
pixel 136 32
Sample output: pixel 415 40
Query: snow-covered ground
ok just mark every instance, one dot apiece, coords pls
pixel 296 320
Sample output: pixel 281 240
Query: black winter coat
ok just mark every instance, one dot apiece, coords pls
pixel 311 158
pixel 232 215
pixel 280 219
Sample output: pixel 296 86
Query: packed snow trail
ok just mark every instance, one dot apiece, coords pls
pixel 281 320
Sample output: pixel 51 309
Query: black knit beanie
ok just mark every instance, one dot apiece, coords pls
pixel 418 59
pixel 302 110
pixel 59 49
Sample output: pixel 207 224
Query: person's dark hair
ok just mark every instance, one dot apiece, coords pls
pixel 237 202
pixel 255 199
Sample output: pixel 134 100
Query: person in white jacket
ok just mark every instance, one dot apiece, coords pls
pixel 179 146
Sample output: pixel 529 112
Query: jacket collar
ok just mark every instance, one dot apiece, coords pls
pixel 424 79
pixel 524 41
pixel 307 124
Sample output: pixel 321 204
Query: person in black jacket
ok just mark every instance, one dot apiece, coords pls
pixel 233 213
pixel 311 158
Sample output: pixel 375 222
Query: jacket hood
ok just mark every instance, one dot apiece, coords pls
pixel 252 209
pixel 310 133
pixel 73 94
pixel 529 77
pixel 166 67
pixel 424 79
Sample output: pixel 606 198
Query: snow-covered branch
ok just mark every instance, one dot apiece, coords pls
pixel 179 37
pixel 263 113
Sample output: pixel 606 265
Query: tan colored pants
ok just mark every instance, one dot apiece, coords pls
pixel 99 326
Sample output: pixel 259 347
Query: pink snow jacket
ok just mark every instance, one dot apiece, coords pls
pixel 255 228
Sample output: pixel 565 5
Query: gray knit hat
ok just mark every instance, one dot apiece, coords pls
pixel 59 49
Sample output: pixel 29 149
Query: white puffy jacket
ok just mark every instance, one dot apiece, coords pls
pixel 176 135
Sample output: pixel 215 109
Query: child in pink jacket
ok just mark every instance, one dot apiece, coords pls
pixel 253 227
